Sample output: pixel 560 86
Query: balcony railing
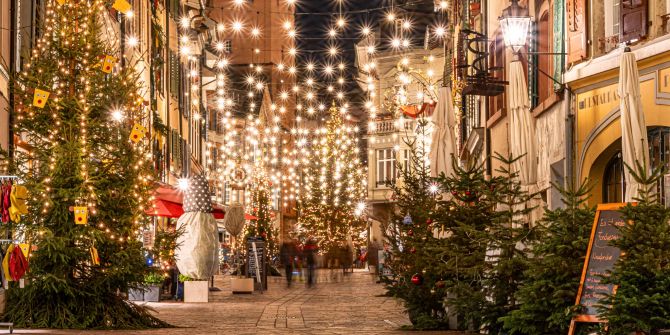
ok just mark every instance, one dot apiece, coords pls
pixel 391 126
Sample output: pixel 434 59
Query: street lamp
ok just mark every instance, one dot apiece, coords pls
pixel 515 23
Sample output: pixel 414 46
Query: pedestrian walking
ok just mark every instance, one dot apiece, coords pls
pixel 309 251
pixel 287 253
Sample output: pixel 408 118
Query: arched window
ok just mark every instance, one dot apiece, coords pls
pixel 614 185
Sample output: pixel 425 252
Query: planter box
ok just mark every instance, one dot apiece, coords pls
pixel 242 285
pixel 196 291
pixel 135 294
pixel 152 294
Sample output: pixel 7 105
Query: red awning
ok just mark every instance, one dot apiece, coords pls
pixel 168 203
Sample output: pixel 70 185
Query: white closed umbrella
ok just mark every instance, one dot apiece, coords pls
pixel 634 143
pixel 443 139
pixel 522 128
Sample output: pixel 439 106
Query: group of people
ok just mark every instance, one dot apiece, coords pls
pixel 292 255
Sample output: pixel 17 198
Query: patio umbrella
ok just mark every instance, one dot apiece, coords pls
pixel 443 144
pixel 522 129
pixel 634 144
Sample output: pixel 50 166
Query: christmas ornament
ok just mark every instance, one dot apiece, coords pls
pixel 25 249
pixel 108 64
pixel 137 133
pixel 417 279
pixel 80 215
pixel 429 221
pixel 122 6
pixel 95 258
pixel 61 2
pixel 407 219
pixel 40 98
pixel 440 284
pixel 410 233
pixel 412 250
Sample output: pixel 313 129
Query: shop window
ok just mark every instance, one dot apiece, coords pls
pixel 659 155
pixel 614 187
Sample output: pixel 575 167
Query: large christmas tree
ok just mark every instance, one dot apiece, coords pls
pixel 88 174
pixel 334 186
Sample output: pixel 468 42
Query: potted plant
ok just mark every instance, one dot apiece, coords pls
pixel 153 282
pixel 195 290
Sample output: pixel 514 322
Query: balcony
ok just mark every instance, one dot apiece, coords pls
pixel 391 126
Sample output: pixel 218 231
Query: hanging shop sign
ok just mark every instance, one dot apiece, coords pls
pixel 600 258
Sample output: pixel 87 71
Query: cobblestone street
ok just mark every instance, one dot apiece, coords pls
pixel 350 304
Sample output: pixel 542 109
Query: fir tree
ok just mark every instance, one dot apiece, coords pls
pixel 464 218
pixel 334 185
pixel 508 237
pixel 641 302
pixel 410 236
pixel 548 295
pixel 81 155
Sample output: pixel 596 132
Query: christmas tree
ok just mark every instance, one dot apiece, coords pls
pixel 88 174
pixel 262 226
pixel 507 242
pixel 463 218
pixel 409 234
pixel 334 186
pixel 548 296
pixel 641 302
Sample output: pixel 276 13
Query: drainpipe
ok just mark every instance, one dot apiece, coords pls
pixel 13 14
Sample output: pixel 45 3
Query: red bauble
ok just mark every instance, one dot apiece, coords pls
pixel 410 233
pixel 412 250
pixel 468 193
pixel 454 193
pixel 441 284
pixel 417 279
pixel 429 221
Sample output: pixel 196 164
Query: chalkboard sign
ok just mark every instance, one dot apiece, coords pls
pixel 256 262
pixel 600 258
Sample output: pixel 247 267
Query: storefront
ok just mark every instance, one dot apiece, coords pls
pixel 597 136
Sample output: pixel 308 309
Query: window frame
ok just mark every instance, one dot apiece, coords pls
pixel 385 173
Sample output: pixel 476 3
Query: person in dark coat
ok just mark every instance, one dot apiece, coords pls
pixel 287 253
pixel 309 252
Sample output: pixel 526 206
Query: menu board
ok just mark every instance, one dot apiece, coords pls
pixel 256 261
pixel 600 258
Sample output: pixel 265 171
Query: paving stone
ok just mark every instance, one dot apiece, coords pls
pixel 338 304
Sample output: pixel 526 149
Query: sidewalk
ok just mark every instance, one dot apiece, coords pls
pixel 338 304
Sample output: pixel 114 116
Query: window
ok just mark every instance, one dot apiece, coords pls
pixel 174 75
pixel 632 20
pixel 497 67
pixel 386 169
pixel 544 83
pixel 614 187
pixel 227 46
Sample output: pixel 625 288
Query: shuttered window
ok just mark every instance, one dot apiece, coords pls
pixel 174 75
pixel 576 18
pixel 633 20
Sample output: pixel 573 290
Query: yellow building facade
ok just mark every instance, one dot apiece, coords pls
pixel 597 135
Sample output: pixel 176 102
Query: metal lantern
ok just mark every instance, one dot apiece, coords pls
pixel 515 23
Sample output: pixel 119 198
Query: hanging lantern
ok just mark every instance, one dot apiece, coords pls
pixel 407 219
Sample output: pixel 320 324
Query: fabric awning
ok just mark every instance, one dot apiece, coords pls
pixel 522 128
pixel 443 144
pixel 634 142
pixel 168 203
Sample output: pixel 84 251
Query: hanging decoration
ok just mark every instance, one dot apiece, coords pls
pixel 40 98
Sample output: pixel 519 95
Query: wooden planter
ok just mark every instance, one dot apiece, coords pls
pixel 242 285
pixel 196 291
